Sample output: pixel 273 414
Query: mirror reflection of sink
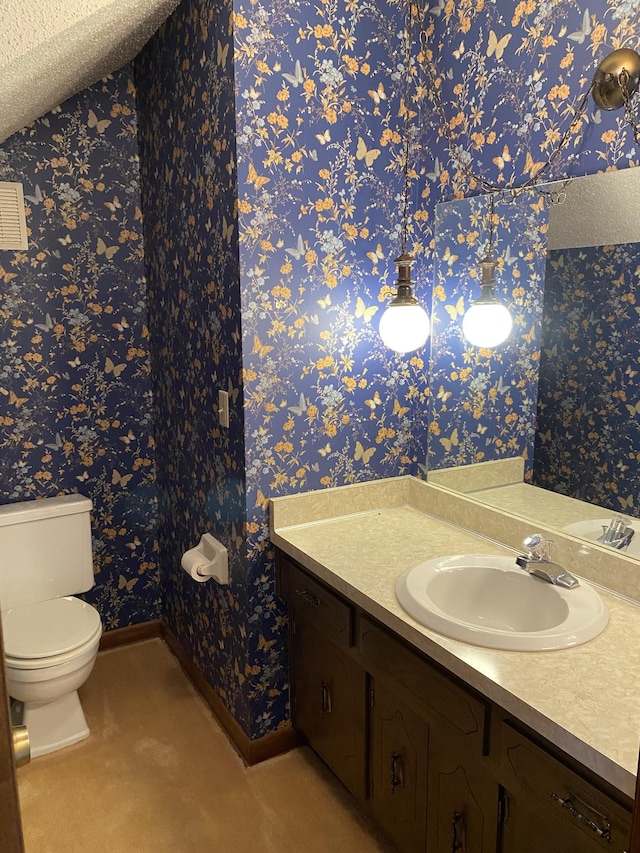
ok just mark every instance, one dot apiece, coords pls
pixel 488 601
pixel 592 530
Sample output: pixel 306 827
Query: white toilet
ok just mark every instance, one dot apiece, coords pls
pixel 51 638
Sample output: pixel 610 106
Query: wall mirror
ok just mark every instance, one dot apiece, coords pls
pixel 546 425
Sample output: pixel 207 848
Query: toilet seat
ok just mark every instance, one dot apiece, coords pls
pixel 48 633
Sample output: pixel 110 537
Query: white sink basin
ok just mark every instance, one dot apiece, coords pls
pixel 489 601
pixel 592 530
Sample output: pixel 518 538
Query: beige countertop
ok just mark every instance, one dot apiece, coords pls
pixel 359 539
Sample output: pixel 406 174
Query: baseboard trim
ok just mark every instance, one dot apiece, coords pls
pixel 251 751
pixel 130 634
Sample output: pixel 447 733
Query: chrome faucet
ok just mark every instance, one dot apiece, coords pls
pixel 537 562
pixel 617 534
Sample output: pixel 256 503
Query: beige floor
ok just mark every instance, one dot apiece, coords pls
pixel 158 774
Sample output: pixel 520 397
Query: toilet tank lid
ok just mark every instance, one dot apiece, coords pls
pixel 34 510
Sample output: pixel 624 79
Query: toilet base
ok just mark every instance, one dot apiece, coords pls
pixel 54 725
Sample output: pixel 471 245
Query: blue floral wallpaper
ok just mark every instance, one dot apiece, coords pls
pixel 270 238
pixel 320 120
pixel 271 160
pixel 589 377
pixel 509 77
pixel 483 401
pixel 75 392
pixel 187 125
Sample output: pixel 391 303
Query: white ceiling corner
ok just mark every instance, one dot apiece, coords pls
pixel 52 50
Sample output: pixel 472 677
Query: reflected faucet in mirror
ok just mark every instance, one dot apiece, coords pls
pixel 617 534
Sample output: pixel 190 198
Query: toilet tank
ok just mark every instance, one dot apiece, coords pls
pixel 45 549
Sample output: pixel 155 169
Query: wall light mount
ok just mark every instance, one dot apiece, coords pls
pixel 616 79
pixel 616 82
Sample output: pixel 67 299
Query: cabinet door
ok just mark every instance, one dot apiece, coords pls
pixel 463 799
pixel 398 769
pixel 329 703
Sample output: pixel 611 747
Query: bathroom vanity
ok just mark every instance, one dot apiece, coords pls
pixel 449 746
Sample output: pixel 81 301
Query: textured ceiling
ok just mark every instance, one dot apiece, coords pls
pixel 52 50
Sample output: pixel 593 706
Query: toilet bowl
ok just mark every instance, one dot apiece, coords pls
pixel 51 637
pixel 50 650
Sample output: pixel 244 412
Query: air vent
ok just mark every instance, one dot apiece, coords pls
pixel 13 225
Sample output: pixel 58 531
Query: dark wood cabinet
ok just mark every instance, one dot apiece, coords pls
pixel 440 768
pixel 436 733
pixel 329 703
pixel 634 846
pixel 399 742
pixel 328 685
pixel 463 798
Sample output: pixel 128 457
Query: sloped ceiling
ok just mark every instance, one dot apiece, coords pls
pixel 53 49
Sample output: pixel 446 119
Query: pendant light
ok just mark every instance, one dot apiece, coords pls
pixel 488 322
pixel 404 325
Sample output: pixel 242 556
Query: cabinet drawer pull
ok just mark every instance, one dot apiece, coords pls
pixel 309 597
pixel 397 772
pixel 569 804
pixel 457 832
pixel 326 698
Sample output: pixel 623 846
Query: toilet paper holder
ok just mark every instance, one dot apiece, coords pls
pixel 209 559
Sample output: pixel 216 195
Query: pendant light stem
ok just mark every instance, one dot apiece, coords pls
pixel 404 294
pixel 408 31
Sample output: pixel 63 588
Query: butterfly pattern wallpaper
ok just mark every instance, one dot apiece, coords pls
pixel 269 168
pixel 483 401
pixel 270 261
pixel 188 179
pixel 590 377
pixel 75 391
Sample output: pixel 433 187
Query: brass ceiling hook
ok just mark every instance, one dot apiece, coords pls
pixel 616 79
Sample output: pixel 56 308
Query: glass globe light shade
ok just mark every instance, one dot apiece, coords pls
pixel 404 328
pixel 487 324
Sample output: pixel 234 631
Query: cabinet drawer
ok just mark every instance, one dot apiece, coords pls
pixel 445 701
pixel 313 601
pixel 557 794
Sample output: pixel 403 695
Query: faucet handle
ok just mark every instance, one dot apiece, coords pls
pixel 538 548
pixel 535 545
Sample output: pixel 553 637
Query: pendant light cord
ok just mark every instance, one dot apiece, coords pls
pixel 408 30
pixel 492 209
